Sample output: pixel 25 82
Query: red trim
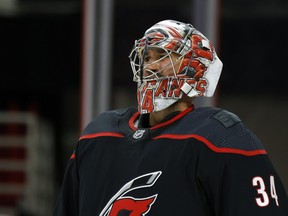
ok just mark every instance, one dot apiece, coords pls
pixel 132 120
pixel 111 134
pixel 180 115
pixel 73 156
pixel 211 146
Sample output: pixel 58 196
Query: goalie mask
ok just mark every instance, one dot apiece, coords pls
pixel 173 59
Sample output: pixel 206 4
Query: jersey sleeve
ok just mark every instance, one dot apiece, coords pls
pixel 242 185
pixel 67 201
pixel 236 173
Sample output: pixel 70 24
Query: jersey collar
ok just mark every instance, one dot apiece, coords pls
pixel 133 120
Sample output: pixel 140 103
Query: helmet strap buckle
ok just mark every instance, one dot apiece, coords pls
pixel 189 90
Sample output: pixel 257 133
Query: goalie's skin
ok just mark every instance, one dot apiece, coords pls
pixel 167 157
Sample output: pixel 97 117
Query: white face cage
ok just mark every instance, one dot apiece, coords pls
pixel 138 65
pixel 156 41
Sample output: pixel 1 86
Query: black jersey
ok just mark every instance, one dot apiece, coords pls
pixel 201 162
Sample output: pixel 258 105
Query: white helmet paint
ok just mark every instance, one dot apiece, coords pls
pixel 198 73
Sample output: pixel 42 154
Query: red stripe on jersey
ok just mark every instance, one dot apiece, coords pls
pixel 73 156
pixel 211 146
pixel 100 134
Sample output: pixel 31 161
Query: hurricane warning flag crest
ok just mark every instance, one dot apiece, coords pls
pixel 123 204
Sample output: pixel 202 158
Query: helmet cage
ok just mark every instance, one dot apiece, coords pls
pixel 137 64
pixel 160 41
pixel 197 73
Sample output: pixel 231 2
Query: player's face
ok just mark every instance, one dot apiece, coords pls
pixel 159 64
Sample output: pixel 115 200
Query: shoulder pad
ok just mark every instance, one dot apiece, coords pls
pixel 106 121
pixel 230 132
pixel 221 128
pixel 227 119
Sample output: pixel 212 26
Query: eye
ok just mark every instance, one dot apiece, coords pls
pixel 147 58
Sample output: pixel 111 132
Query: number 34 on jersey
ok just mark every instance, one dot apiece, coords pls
pixel 265 194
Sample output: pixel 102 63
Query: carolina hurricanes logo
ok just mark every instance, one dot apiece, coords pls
pixel 127 205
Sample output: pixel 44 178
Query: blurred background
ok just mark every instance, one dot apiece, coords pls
pixel 64 61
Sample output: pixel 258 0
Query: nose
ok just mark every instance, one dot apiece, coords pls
pixel 150 68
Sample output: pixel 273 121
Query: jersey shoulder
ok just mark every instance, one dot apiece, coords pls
pixel 222 128
pixel 108 121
